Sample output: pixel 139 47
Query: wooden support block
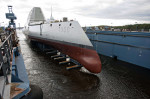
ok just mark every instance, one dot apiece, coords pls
pixel 72 67
pixel 63 62
pixel 57 58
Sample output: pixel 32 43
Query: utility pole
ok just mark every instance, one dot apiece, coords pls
pixel 136 26
pixel 0 23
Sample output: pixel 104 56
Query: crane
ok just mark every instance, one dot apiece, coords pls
pixel 11 16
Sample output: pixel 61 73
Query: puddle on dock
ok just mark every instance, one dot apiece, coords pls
pixel 117 80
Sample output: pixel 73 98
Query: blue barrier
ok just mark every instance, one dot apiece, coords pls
pixel 132 47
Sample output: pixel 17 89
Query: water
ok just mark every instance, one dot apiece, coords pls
pixel 118 80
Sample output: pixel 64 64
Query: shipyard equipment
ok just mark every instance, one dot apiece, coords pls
pixel 14 82
pixel 11 16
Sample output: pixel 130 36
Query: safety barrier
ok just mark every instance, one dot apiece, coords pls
pixel 5 59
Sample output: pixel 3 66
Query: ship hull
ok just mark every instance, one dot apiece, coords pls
pixel 85 55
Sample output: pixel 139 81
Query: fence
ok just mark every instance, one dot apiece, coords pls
pixel 5 59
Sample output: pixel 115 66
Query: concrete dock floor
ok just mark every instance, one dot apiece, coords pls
pixel 118 80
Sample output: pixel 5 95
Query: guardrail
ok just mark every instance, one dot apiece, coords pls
pixel 5 59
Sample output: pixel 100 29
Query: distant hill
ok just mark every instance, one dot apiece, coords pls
pixel 135 27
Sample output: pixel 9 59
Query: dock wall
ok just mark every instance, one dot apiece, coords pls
pixel 132 47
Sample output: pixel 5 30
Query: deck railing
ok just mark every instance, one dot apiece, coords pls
pixel 5 58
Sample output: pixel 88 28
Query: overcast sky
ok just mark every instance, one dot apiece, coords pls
pixel 87 12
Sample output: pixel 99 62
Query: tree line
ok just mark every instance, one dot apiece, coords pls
pixel 135 27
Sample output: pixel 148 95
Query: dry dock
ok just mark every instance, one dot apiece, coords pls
pixel 118 80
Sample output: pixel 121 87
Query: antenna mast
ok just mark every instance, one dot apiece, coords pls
pixel 51 11
pixel 51 18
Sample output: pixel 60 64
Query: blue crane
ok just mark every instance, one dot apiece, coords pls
pixel 11 16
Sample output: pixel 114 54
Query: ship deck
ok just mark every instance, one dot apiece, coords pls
pixel 117 79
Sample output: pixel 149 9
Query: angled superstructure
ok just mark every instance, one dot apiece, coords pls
pixel 36 15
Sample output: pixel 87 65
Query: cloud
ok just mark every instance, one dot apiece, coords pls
pixel 127 9
pixel 85 11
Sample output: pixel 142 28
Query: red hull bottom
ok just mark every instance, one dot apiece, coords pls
pixel 86 57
